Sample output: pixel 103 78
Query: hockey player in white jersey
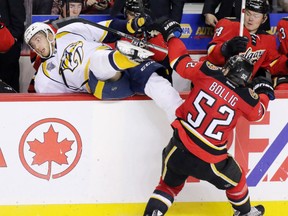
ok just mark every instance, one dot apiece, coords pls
pixel 77 60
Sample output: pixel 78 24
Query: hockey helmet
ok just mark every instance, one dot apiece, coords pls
pixel 136 6
pixel 260 6
pixel 62 2
pixel 36 27
pixel 65 3
pixel 239 70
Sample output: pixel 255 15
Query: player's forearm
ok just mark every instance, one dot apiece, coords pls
pixel 215 55
pixel 258 112
pixel 173 53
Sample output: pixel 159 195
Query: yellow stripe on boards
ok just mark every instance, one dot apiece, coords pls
pixel 275 208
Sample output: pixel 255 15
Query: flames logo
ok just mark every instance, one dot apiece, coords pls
pixel 253 56
pixel 72 57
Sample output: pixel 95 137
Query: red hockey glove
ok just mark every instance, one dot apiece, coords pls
pixel 281 82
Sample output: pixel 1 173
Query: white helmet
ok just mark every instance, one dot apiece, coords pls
pixel 34 29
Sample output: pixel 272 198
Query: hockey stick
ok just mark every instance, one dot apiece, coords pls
pixel 136 41
pixel 242 18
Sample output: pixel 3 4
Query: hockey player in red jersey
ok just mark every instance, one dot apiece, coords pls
pixel 282 30
pixel 281 81
pixel 256 45
pixel 219 96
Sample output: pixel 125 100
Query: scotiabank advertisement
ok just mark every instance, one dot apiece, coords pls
pixel 75 149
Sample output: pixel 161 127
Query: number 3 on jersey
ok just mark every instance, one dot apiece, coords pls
pixel 282 32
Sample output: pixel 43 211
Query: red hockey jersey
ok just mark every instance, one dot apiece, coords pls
pixel 213 107
pixel 282 30
pixel 261 48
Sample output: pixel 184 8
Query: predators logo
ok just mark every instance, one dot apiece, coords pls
pixel 72 57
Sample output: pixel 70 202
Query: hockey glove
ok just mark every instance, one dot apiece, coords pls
pixel 281 81
pixel 263 85
pixel 168 28
pixel 134 25
pixel 234 46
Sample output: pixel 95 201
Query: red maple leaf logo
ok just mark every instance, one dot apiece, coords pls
pixel 50 150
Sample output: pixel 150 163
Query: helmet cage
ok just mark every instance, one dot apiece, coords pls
pixel 239 70
pixel 136 7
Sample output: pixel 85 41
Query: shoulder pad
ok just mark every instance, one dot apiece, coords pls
pixel 226 21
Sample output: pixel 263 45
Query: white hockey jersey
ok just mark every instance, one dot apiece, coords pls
pixel 67 70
